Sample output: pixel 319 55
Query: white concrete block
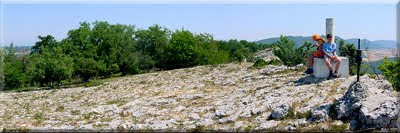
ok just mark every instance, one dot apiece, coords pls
pixel 322 71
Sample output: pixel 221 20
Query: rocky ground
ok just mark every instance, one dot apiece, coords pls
pixel 228 97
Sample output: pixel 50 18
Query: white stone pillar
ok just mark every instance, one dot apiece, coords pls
pixel 329 27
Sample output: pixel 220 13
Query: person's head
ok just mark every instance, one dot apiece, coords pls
pixel 329 37
pixel 319 39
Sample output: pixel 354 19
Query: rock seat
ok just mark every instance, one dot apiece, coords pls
pixel 322 71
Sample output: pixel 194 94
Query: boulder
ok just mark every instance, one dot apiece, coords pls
pixel 369 103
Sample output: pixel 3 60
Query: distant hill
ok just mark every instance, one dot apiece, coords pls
pixel 20 48
pixel 372 45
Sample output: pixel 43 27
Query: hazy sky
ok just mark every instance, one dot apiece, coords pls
pixel 22 23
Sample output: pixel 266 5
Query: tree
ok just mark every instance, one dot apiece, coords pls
pixel 1 69
pixel 14 76
pixel 181 51
pixel 86 68
pixel 50 66
pixel 45 42
pixel 152 40
pixel 209 51
pixel 114 44
pixel 238 51
pixel 151 44
pixel 289 54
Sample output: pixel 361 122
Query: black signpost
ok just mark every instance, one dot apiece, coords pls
pixel 358 60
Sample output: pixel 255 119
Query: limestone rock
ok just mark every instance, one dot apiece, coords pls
pixel 281 111
pixel 320 113
pixel 368 104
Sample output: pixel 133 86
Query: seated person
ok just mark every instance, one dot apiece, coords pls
pixel 329 50
pixel 317 54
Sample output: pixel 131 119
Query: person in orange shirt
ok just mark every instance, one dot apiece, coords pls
pixel 317 54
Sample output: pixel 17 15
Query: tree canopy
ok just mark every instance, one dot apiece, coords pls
pixel 100 50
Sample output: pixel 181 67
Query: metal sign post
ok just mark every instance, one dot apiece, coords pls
pixel 358 60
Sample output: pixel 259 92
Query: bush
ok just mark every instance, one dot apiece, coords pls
pixel 289 54
pixel 391 70
pixel 259 63
pixel 92 83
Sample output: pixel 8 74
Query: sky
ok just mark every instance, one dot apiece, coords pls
pixel 22 21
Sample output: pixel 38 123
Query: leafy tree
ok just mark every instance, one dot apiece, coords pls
pixel 1 69
pixel 152 40
pixel 209 50
pixel 49 67
pixel 87 68
pixel 114 43
pixel 181 51
pixel 238 51
pixel 151 43
pixel 289 54
pixel 250 45
pixel 14 76
pixel 391 70
pixel 45 42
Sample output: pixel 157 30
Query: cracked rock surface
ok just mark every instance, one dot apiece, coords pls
pixel 229 97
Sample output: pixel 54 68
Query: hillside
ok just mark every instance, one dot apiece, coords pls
pixel 372 45
pixel 229 97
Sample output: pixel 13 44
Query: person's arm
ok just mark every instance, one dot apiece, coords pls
pixel 316 44
pixel 334 52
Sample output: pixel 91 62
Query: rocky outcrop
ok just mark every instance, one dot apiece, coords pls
pixel 368 104
pixel 227 97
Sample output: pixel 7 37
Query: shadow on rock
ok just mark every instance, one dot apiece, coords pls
pixel 310 79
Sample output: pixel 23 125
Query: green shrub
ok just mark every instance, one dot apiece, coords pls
pixel 391 70
pixel 275 62
pixel 91 83
pixel 259 63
